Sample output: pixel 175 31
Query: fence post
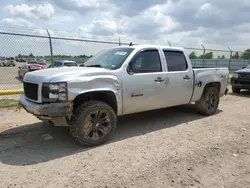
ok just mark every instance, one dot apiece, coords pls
pixel 50 44
pixel 204 53
pixel 169 43
pixel 119 41
pixel 230 60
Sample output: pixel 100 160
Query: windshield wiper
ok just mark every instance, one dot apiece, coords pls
pixel 94 66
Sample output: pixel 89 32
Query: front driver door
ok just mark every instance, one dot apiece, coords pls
pixel 144 87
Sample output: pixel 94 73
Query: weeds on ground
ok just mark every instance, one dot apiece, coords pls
pixel 10 104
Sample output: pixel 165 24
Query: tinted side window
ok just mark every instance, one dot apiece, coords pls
pixel 147 61
pixel 57 64
pixel 176 61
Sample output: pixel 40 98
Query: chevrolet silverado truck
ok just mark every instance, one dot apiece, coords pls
pixel 119 81
pixel 241 79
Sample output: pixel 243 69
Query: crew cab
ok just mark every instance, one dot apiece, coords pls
pixel 119 81
pixel 241 79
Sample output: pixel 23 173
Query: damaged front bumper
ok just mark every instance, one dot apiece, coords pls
pixel 58 113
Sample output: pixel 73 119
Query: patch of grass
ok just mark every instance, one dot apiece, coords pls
pixel 10 103
pixel 19 79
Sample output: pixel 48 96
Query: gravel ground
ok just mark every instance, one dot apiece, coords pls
pixel 174 147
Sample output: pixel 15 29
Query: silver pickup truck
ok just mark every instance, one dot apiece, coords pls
pixel 118 81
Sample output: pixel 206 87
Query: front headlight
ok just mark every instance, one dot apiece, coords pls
pixel 54 92
pixel 235 75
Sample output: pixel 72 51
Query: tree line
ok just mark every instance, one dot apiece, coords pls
pixel 209 55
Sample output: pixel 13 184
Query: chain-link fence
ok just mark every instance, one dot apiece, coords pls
pixel 21 47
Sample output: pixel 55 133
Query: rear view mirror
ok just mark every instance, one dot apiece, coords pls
pixel 19 67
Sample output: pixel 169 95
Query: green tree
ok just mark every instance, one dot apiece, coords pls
pixel 208 55
pixel 236 56
pixel 192 55
pixel 246 54
pixel 31 55
pixel 221 57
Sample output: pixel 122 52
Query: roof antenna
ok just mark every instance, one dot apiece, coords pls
pixel 130 44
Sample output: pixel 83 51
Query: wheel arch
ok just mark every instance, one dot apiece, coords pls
pixel 106 96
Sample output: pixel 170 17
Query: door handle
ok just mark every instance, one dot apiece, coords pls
pixel 186 77
pixel 159 79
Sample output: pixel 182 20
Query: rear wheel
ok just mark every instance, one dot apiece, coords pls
pixel 209 101
pixel 47 123
pixel 236 90
pixel 93 123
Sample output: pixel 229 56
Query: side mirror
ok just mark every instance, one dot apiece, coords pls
pixel 243 67
pixel 130 68
pixel 19 67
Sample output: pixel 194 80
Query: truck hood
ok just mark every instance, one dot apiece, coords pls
pixel 62 74
pixel 243 71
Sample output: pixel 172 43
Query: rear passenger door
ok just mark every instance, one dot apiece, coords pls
pixel 180 78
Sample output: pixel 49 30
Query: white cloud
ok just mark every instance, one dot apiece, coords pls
pixel 59 19
pixel 17 22
pixel 40 11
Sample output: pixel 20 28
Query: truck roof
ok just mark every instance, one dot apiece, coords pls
pixel 140 46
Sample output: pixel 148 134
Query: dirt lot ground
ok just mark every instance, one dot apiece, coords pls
pixel 172 147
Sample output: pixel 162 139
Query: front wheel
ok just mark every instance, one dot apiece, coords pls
pixel 93 123
pixel 209 101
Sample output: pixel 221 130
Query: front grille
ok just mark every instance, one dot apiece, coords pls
pixel 244 75
pixel 31 90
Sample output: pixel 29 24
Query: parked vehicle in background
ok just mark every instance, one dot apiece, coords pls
pixel 11 61
pixel 241 79
pixel 63 63
pixel 28 68
pixel 41 61
pixel 120 81
pixel 32 61
pixel 21 60
pixel 8 61
pixel 3 61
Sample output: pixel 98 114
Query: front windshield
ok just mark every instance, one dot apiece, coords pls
pixel 248 66
pixel 109 59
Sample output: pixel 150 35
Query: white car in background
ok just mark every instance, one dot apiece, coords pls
pixel 3 61
pixel 11 61
pixel 63 63
pixel 7 61
pixel 41 61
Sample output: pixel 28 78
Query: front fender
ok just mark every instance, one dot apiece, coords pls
pixel 78 86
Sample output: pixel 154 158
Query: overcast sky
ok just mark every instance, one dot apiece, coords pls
pixel 214 23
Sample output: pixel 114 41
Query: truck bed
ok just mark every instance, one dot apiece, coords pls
pixel 203 76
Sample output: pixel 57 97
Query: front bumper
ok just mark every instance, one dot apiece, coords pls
pixel 239 83
pixel 47 111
